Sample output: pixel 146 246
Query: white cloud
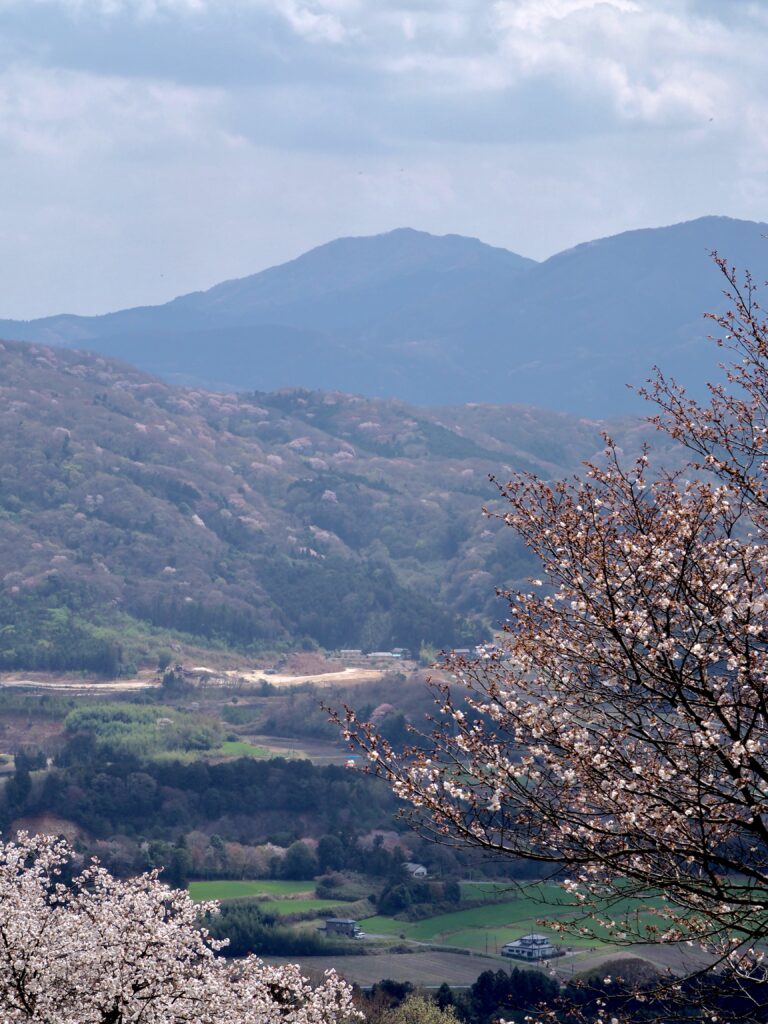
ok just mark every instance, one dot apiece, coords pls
pixel 628 61
pixel 142 9
pixel 537 17
pixel 70 114
pixel 319 21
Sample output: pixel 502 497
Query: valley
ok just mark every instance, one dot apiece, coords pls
pixel 383 512
pixel 192 577
pixel 178 770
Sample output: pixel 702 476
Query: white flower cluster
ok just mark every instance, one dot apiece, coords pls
pixel 105 951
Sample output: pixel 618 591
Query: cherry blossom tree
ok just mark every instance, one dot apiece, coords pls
pixel 619 731
pixel 103 951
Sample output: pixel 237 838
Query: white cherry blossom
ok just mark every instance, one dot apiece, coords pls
pixel 104 951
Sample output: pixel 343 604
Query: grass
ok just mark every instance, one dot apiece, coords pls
pixel 233 889
pixel 280 897
pixel 230 748
pixel 488 928
pixel 185 756
pixel 240 748
pixel 489 891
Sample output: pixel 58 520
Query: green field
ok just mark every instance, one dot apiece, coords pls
pixel 494 924
pixel 241 748
pixel 280 897
pixel 488 928
pixel 230 889
pixel 488 890
pixel 229 748
pixel 483 929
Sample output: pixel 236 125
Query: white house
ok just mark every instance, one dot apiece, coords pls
pixel 530 947
pixel 415 870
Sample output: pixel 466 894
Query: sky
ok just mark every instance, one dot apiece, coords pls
pixel 150 148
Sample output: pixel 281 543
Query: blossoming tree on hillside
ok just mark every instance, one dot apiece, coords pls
pixel 105 951
pixel 620 730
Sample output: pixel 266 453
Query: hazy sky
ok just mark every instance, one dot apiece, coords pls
pixel 153 147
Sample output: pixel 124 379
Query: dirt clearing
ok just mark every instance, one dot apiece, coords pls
pixel 75 686
pixel 345 676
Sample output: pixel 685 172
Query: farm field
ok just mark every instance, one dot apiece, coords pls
pixel 228 749
pixel 241 748
pixel 318 751
pixel 235 889
pixel 485 929
pixel 486 890
pixel 280 897
pixel 427 968
pixel 481 930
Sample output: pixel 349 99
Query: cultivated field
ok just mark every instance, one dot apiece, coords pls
pixel 485 929
pixel 430 968
pixel 233 889
pixel 283 898
pixel 230 749
pixel 425 968
pixel 317 751
pixel 481 931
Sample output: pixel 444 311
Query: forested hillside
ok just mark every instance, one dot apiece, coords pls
pixel 128 508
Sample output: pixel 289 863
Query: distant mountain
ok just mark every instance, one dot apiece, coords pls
pixel 133 513
pixel 443 320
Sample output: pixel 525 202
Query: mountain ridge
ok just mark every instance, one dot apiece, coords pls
pixel 436 320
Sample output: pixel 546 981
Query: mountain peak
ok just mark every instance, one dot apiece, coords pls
pixel 354 261
pixel 444 319
pixel 671 237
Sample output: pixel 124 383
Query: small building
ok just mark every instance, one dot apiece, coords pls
pixel 531 947
pixel 342 926
pixel 415 870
